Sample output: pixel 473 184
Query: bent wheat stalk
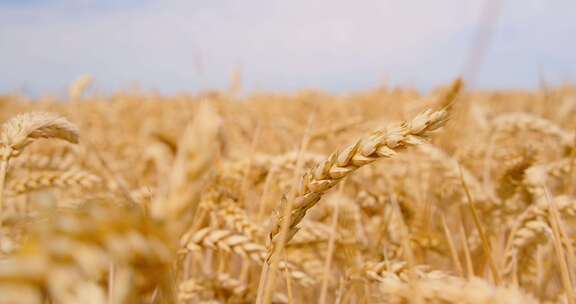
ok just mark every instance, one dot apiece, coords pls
pixel 21 130
pixel 380 144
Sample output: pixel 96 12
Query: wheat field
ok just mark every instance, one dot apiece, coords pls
pixel 383 196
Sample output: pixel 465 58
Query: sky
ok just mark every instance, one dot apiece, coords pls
pixel 175 46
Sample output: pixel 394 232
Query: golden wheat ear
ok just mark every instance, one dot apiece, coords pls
pixel 23 129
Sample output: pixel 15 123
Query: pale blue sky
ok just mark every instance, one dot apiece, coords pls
pixel 339 46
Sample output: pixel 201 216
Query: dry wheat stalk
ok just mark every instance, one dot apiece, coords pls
pixel 379 144
pixel 23 129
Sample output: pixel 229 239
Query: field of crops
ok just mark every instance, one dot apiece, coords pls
pixel 383 196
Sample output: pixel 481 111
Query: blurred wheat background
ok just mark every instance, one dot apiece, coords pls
pixel 456 187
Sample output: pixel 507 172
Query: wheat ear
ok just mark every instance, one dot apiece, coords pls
pixel 21 130
pixel 59 179
pixel 511 123
pixel 244 246
pixel 531 229
pixel 379 144
pixel 452 290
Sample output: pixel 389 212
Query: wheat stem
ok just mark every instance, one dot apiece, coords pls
pixel 284 230
pixel 331 246
pixel 4 159
pixel 485 242
pixel 557 241
pixel 452 247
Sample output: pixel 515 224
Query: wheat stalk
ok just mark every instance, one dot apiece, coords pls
pixel 379 144
pixel 21 130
